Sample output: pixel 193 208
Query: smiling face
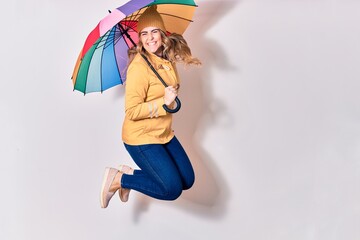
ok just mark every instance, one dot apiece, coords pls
pixel 150 38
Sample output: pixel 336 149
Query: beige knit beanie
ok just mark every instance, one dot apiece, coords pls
pixel 150 18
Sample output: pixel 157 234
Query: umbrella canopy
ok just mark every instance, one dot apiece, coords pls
pixel 103 60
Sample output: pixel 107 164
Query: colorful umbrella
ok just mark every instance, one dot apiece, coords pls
pixel 103 59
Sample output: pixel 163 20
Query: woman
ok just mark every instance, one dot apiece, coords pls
pixel 165 169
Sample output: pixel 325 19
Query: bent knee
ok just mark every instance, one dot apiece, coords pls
pixel 173 191
pixel 173 196
pixel 189 182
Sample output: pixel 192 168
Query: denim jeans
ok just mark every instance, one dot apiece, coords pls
pixel 165 170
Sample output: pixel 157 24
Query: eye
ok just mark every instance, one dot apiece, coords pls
pixel 155 31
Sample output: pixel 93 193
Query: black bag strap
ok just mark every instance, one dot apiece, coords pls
pixel 177 100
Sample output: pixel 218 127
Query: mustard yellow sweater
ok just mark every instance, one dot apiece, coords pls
pixel 146 121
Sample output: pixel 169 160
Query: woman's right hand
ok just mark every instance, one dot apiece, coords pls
pixel 170 95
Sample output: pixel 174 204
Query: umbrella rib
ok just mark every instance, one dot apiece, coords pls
pixel 102 57
pixel 171 15
pixel 87 73
pixel 103 39
pixel 101 79
pixel 134 16
pixel 102 42
pixel 117 66
pixel 125 31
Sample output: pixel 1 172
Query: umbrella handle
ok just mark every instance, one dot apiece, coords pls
pixel 178 106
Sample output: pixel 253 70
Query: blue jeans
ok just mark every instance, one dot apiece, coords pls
pixel 165 170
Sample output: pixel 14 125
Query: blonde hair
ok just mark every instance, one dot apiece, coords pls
pixel 175 49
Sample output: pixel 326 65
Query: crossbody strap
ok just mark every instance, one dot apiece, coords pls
pixel 177 100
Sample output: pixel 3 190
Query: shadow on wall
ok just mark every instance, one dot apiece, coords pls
pixel 208 197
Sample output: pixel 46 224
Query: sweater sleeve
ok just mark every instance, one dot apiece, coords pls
pixel 137 86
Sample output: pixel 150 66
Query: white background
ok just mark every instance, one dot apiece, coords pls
pixel 271 123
